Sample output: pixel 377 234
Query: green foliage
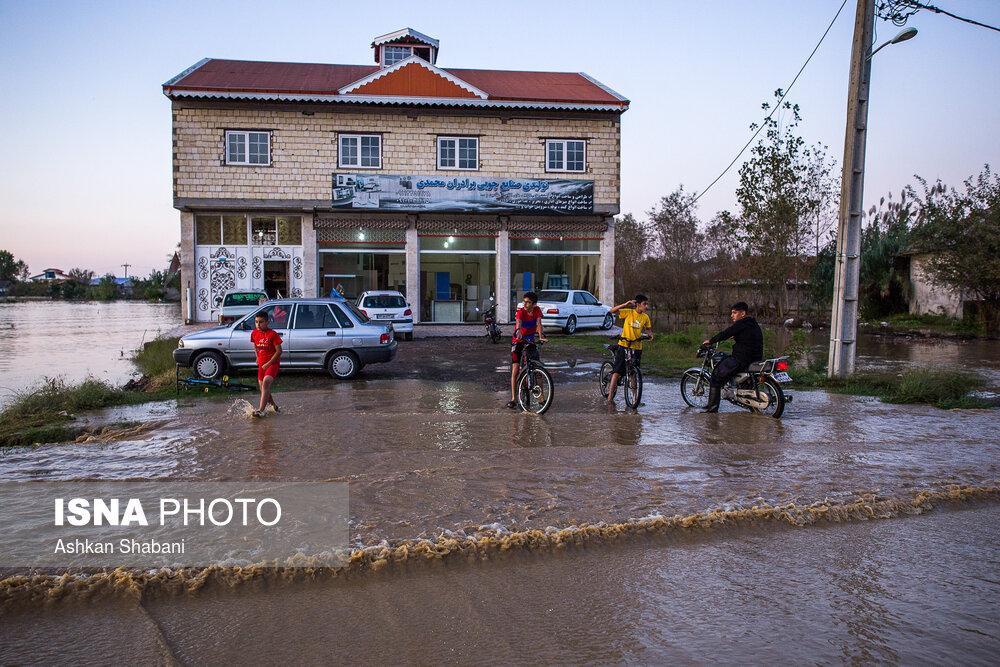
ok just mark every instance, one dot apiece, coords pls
pixel 12 269
pixel 631 245
pixel 156 357
pixel 961 230
pixel 105 290
pixel 944 388
pixel 884 282
pixel 151 288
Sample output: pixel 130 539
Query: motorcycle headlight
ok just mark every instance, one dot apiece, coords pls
pixel 180 344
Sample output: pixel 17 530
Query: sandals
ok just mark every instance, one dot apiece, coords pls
pixel 511 404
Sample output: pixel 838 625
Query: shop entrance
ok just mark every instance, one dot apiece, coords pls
pixel 276 279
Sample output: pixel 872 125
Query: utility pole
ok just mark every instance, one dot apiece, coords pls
pixel 125 266
pixel 844 320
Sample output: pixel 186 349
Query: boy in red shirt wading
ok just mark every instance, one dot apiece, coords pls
pixel 267 342
pixel 528 324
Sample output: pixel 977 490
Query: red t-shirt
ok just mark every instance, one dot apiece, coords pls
pixel 529 324
pixel 265 342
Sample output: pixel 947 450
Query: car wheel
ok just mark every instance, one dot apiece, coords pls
pixel 609 321
pixel 570 327
pixel 208 366
pixel 343 364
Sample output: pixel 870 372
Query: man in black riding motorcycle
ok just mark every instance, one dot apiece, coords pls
pixel 748 347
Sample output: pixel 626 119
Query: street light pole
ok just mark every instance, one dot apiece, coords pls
pixel 844 319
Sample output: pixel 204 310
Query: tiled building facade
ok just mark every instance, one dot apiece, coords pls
pixel 301 179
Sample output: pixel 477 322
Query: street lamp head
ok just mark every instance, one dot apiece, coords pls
pixel 904 34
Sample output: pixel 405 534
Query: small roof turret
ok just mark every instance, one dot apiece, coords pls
pixel 401 44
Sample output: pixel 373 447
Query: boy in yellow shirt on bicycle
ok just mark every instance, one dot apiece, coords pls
pixel 636 322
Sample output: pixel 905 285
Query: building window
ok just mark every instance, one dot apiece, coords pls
pixel 458 153
pixel 361 150
pixel 393 54
pixel 249 148
pixel 269 230
pixel 565 155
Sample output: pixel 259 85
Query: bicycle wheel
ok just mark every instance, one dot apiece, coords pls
pixel 604 378
pixel 771 390
pixel 534 389
pixel 633 386
pixel 694 388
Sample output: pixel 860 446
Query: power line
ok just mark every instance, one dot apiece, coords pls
pixel 898 11
pixel 776 107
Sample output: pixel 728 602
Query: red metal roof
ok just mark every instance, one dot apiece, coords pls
pixel 232 76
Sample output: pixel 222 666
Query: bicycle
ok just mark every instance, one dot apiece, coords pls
pixel 632 376
pixel 534 383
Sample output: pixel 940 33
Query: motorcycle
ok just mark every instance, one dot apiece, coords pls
pixel 490 318
pixel 757 389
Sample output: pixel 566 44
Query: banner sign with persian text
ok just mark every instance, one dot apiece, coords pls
pixel 462 194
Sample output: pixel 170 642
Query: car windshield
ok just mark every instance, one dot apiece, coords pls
pixel 243 299
pixel 357 313
pixel 384 301
pixel 552 296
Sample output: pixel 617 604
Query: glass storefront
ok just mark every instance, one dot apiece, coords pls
pixel 457 275
pixel 351 272
pixel 538 263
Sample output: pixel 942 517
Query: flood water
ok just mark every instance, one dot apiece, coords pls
pixel 849 531
pixel 75 340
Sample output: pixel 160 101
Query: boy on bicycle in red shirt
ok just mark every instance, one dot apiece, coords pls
pixel 527 323
pixel 267 342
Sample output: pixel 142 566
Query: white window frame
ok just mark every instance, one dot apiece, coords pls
pixel 565 147
pixel 385 49
pixel 457 140
pixel 358 137
pixel 246 139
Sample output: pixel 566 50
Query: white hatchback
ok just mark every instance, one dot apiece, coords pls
pixel 385 306
pixel 571 309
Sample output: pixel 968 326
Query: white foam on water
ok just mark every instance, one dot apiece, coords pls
pixel 242 407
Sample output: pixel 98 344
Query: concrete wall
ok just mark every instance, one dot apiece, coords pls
pixel 927 298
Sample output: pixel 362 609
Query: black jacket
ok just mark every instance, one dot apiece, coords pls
pixel 747 337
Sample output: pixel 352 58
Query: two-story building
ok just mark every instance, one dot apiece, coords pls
pixel 449 185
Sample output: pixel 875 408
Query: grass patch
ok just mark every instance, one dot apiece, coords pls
pixel 937 324
pixel 156 357
pixel 45 413
pixel 947 389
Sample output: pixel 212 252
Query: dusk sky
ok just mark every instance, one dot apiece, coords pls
pixel 87 178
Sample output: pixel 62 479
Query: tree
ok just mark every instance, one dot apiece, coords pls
pixel 631 246
pixel 674 225
pixel 961 230
pixel 822 187
pixel 106 289
pixel 672 280
pixel 775 203
pixel 12 269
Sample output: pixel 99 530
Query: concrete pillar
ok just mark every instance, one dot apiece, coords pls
pixel 608 264
pixel 310 259
pixel 188 278
pixel 503 276
pixel 413 269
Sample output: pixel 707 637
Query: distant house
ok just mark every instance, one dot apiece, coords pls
pixel 50 275
pixel 926 298
pixel 123 286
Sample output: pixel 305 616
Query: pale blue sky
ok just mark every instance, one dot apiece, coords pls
pixel 87 182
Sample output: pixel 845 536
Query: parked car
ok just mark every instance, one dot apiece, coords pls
pixel 238 302
pixel 388 306
pixel 572 309
pixel 316 333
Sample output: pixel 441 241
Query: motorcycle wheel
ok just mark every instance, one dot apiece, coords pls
pixel 694 389
pixel 775 398
pixel 495 334
pixel 605 378
pixel 633 387
pixel 534 390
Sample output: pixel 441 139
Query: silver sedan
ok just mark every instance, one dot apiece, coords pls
pixel 316 333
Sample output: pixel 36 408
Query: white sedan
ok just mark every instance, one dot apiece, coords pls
pixel 388 306
pixel 572 309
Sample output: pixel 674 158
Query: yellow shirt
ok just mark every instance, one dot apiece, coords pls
pixel 632 327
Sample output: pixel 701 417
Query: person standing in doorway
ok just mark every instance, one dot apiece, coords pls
pixel 267 342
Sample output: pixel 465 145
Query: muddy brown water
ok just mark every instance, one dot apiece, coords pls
pixel 848 531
